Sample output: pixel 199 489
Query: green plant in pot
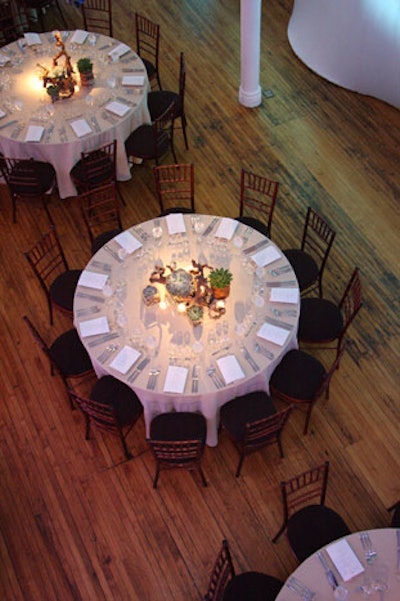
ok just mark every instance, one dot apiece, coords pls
pixel 85 68
pixel 195 314
pixel 220 281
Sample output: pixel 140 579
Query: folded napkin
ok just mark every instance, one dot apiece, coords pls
pixel 345 560
pixel 2 114
pixel 4 60
pixel 91 327
pixel 175 380
pixel 125 359
pixel 266 256
pixel 128 242
pixel 133 80
pixel 226 228
pixel 34 133
pixel 230 368
pixel 175 223
pixel 81 127
pixel 117 108
pixel 285 295
pixel 32 38
pixel 91 279
pixel 119 51
pixel 273 333
pixel 79 37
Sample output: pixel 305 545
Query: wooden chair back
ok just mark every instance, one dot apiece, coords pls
pixel 257 197
pixel 317 241
pixel 163 130
pixel 47 259
pixel 351 302
pixel 99 165
pixel 148 42
pixel 97 16
pixel 175 186
pixel 222 572
pixel 100 210
pixel 186 454
pixel 9 31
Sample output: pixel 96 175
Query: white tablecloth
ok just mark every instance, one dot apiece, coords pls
pixel 24 100
pixel 176 340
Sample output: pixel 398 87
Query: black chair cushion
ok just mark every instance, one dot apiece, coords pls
pixel 103 238
pixel 110 391
pixel 299 375
pixel 69 354
pixel 140 143
pixel 160 100
pixel 304 266
pixel 175 210
pixel 256 224
pixel 320 320
pixel 247 408
pixel 105 173
pixel 45 173
pixel 62 290
pixel 313 527
pixel 178 426
pixel 395 523
pixel 252 586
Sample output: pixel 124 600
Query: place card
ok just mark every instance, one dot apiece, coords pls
pixel 175 380
pixel 91 279
pixel 125 359
pixel 2 114
pixel 79 37
pixel 273 334
pixel 32 38
pixel 117 108
pixel 81 127
pixel 4 60
pixel 266 256
pixel 118 51
pixel 34 133
pixel 226 228
pixel 133 80
pixel 344 559
pixel 175 223
pixel 230 368
pixel 128 242
pixel 91 327
pixel 285 295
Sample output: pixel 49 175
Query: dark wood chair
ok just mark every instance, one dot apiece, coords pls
pixel 50 266
pixel 97 16
pixel 323 323
pixel 95 168
pixel 257 201
pixel 159 100
pixel 9 28
pixel 309 260
pixel 300 379
pixel 226 585
pixel 148 45
pixel 175 188
pixel 177 440
pixel 36 9
pixel 112 407
pixel 28 180
pixel 153 141
pixel 310 524
pixel 66 354
pixel 101 215
pixel 253 423
pixel 395 520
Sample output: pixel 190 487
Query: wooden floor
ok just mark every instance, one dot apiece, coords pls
pixel 80 523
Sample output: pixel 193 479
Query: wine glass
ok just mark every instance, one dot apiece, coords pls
pixel 157 233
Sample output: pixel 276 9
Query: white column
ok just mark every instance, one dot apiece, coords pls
pixel 250 25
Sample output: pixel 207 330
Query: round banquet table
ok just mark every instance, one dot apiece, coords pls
pixel 24 103
pixel 311 573
pixel 116 325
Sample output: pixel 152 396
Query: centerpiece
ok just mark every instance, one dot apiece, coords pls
pixel 59 81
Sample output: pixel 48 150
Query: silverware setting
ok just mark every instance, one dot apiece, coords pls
pixel 277 322
pixel 9 123
pixel 288 312
pixel 257 246
pixel 295 585
pixel 48 133
pixel 106 354
pixel 87 311
pixel 142 234
pixel 215 377
pixel 263 351
pixel 278 271
pixel 221 350
pixel 195 379
pixel 152 381
pixel 330 576
pixel 15 133
pixel 113 253
pixel 285 284
pixel 100 265
pixel 249 359
pixel 104 338
pixel 369 552
pixel 92 297
pixel 132 377
pixel 210 227
pixel 95 123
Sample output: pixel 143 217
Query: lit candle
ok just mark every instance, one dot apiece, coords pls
pixel 220 304
pixel 163 305
pixel 181 307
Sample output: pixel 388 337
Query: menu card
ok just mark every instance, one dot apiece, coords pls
pixel 79 36
pixel 175 223
pixel 230 368
pixel 265 256
pixel 81 127
pixel 125 359
pixel 91 327
pixel 175 380
pixel 34 133
pixel 226 228
pixel 133 80
pixel 285 295
pixel 32 38
pixel 118 108
pixel 345 560
pixel 273 333
pixel 128 242
pixel 91 279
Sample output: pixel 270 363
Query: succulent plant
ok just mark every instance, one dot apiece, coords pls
pixel 195 313
pixel 220 278
pixel 84 65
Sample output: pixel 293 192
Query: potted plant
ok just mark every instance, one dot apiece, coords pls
pixel 220 280
pixel 85 68
pixel 53 92
pixel 195 314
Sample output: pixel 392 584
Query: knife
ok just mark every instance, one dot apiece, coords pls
pixel 256 246
pixel 9 123
pixel 330 576
pixel 139 369
pixel 277 322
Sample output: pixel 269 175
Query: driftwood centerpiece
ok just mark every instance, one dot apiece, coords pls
pixel 59 81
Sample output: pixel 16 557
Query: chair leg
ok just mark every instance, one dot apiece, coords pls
pixel 183 120
pixel 308 415
pixel 156 476
pixel 128 455
pixel 277 535
pixel 204 481
pixel 62 15
pixel 239 467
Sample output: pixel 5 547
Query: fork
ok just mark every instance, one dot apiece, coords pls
pixel 263 351
pixel 288 312
pixel 211 371
pixel 295 585
pixel 152 381
pixel 249 359
pixel 106 354
pixel 369 552
pixel 279 270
